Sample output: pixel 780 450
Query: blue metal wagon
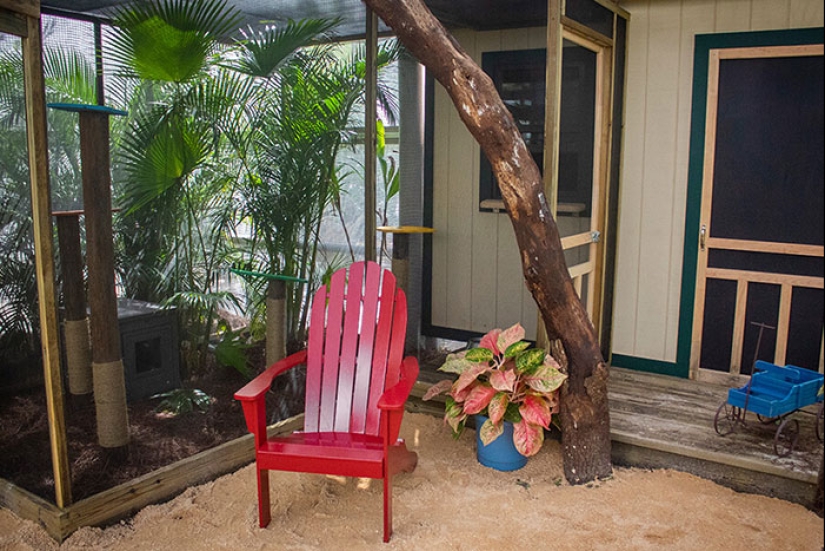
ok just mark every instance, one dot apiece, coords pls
pixel 773 394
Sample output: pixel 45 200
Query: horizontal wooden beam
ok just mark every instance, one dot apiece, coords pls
pixel 809 282
pixel 13 23
pixel 23 7
pixel 771 247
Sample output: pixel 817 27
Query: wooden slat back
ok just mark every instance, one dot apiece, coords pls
pixel 356 343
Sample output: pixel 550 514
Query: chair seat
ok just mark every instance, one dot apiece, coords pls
pixel 335 453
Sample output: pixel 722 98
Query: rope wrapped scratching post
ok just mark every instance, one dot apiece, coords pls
pixel 107 364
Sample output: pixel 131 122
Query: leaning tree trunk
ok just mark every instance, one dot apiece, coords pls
pixel 819 495
pixel 584 411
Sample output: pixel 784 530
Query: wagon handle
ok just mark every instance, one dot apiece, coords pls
pixel 762 327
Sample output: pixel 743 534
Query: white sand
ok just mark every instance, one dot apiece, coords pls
pixel 452 503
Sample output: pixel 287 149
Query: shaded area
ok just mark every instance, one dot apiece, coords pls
pixel 157 439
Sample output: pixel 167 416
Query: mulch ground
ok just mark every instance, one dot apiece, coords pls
pixel 156 439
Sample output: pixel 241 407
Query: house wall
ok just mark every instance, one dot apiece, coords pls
pixel 477 283
pixel 655 155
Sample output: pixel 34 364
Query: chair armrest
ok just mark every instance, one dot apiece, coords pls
pixel 251 396
pixel 258 386
pixel 395 397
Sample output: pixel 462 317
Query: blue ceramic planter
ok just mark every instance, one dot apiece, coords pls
pixel 501 454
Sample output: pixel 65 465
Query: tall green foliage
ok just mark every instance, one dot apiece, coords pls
pixel 219 136
pixel 69 77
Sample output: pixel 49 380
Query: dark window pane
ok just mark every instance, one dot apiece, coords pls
pixel 577 130
pixel 768 174
pixel 764 262
pixel 590 14
pixel 717 330
pixel 805 328
pixel 762 308
pixel 519 78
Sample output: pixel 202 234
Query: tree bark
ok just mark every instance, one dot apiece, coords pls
pixel 819 495
pixel 584 409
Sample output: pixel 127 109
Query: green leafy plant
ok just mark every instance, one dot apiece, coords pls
pixel 505 379
pixel 183 400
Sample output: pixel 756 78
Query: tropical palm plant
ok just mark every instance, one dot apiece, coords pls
pixel 304 123
pixel 69 77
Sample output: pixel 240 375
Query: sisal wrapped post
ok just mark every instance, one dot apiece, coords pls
pixel 76 325
pixel 275 321
pixel 110 404
pixel 78 356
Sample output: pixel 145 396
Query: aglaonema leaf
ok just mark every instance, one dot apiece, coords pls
pixel 478 399
pixel 468 377
pixel 545 379
pixel 479 355
pixel 489 431
pixel 510 336
pixel 536 411
pixel 503 379
pixel 528 438
pixel 454 416
pixel 455 365
pixel 436 389
pixel 497 407
pixel 490 341
pixel 516 348
pixel 512 413
pixel 530 360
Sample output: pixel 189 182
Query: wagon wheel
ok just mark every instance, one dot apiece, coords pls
pixel 820 422
pixel 766 420
pixel 786 437
pixel 727 417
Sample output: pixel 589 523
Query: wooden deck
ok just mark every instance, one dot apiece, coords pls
pixel 666 422
pixel 659 421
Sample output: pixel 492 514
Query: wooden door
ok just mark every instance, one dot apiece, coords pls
pixel 583 161
pixel 760 254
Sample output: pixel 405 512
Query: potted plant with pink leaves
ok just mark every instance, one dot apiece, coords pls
pixel 512 386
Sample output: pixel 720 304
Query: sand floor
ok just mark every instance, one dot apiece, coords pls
pixel 452 503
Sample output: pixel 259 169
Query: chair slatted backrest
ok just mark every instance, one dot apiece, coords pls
pixel 356 342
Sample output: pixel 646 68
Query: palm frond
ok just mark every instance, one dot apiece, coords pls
pixel 70 77
pixel 261 53
pixel 170 40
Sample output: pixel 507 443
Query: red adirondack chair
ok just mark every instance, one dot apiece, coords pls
pixel 357 385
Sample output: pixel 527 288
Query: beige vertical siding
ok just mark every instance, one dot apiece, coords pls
pixel 477 279
pixel 655 154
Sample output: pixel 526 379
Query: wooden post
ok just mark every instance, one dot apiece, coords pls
pixel 401 270
pixel 401 250
pixel 107 363
pixel 275 311
pixel 275 320
pixel 369 135
pixel 76 322
pixel 44 257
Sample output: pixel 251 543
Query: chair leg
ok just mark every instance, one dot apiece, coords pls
pixel 263 498
pixel 387 507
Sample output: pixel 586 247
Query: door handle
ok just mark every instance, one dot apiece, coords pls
pixel 702 233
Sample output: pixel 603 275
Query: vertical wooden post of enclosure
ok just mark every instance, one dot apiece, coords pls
pixel 401 263
pixel 369 134
pixel 552 118
pixel 76 322
pixel 275 320
pixel 43 244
